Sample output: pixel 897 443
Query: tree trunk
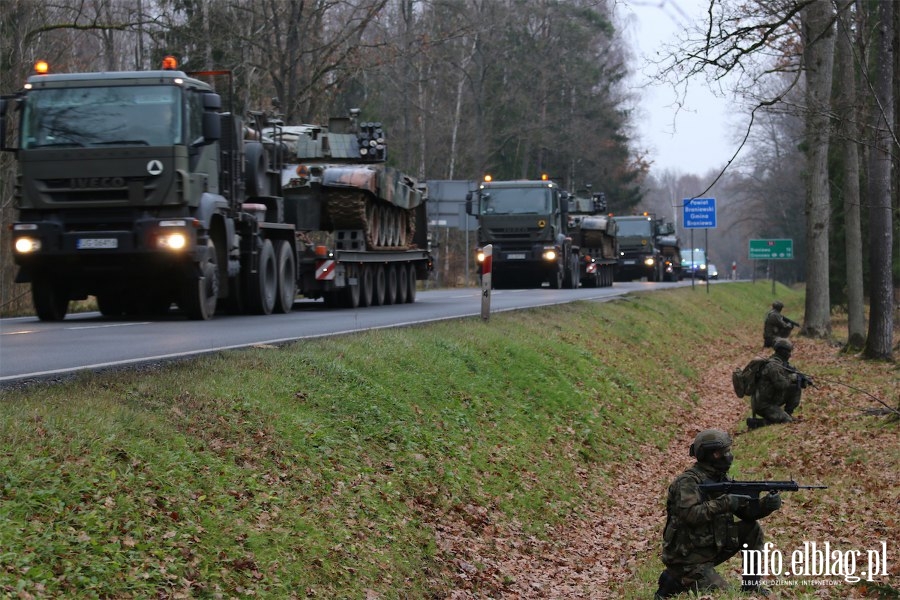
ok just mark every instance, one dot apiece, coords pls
pixel 881 319
pixel 818 58
pixel 846 107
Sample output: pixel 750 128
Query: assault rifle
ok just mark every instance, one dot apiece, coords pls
pixel 752 489
pixel 803 380
pixel 791 321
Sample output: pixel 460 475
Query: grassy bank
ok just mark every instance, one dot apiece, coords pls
pixel 340 468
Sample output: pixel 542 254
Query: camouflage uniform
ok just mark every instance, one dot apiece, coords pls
pixel 777 387
pixel 775 326
pixel 702 532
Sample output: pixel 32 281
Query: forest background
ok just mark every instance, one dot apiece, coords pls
pixel 518 88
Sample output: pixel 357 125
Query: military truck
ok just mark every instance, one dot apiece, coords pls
pixel 136 188
pixel 648 248
pixel 526 222
pixel 594 233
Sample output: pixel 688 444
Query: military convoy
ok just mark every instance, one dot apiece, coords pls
pixel 136 188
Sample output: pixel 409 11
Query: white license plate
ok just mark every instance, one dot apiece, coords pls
pixel 97 244
pixel 516 256
pixel 628 262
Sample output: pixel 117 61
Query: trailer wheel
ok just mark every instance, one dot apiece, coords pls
pixel 264 283
pixel 50 298
pixel 287 277
pixel 201 290
pixel 378 291
pixel 402 284
pixel 411 287
pixel 351 292
pixel 366 284
pixel 390 288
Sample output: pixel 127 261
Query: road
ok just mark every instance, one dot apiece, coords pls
pixel 31 349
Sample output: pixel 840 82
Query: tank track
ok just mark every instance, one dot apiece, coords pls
pixel 386 226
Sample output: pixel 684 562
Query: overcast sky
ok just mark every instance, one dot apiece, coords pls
pixel 697 136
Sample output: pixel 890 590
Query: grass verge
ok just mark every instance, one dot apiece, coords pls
pixel 341 468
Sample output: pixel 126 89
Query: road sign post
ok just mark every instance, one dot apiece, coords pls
pixel 779 249
pixel 486 267
pixel 700 213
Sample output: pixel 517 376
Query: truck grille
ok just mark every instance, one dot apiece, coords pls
pixel 62 191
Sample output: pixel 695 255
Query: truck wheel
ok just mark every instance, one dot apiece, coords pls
pixel 573 274
pixel 110 304
pixel 351 293
pixel 556 279
pixel 201 290
pixel 366 284
pixel 264 283
pixel 402 284
pixel 378 289
pixel 390 288
pixel 50 299
pixel 256 165
pixel 287 277
pixel 411 284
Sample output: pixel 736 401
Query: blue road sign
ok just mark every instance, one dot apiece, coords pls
pixel 699 213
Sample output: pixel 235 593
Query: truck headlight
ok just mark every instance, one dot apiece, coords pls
pixel 172 241
pixel 479 256
pixel 549 254
pixel 27 245
pixel 649 262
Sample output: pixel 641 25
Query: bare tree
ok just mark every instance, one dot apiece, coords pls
pixel 818 61
pixel 845 104
pixel 880 339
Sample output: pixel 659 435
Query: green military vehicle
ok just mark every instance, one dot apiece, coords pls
pixel 594 233
pixel 648 248
pixel 136 188
pixel 526 223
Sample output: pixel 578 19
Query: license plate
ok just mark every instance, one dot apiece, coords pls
pixel 628 262
pixel 97 244
pixel 516 256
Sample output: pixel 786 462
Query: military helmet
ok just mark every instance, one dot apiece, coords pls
pixel 778 305
pixel 783 345
pixel 709 440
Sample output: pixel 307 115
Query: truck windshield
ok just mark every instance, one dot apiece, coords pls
pixel 515 201
pixel 635 227
pixel 102 116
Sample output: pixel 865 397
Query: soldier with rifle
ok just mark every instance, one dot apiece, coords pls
pixel 710 518
pixel 776 325
pixel 779 386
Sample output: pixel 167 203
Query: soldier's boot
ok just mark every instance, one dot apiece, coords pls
pixel 750 584
pixel 668 586
pixel 755 423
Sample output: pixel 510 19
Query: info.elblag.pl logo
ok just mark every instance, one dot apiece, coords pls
pixel 816 560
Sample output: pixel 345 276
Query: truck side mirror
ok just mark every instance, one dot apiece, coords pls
pixel 212 127
pixel 212 122
pixel 468 203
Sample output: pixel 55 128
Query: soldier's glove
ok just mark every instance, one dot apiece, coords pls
pixel 737 503
pixel 770 503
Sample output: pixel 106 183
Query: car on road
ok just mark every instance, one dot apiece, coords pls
pixel 711 271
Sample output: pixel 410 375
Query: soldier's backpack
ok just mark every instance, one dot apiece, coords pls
pixel 744 380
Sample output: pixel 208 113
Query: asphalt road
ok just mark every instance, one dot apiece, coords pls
pixel 35 350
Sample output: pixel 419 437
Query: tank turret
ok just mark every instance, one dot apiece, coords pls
pixel 335 179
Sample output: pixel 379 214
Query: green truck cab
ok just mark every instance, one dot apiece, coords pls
pixel 525 222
